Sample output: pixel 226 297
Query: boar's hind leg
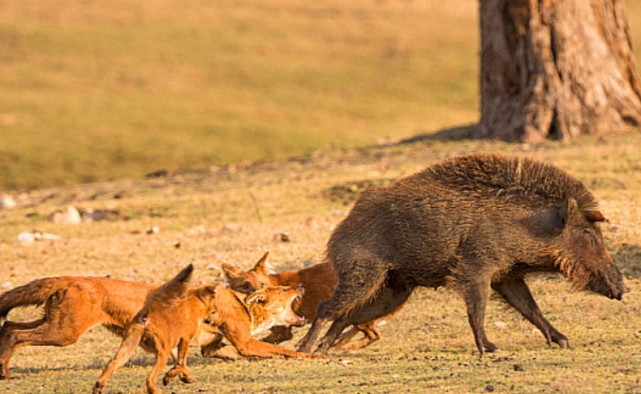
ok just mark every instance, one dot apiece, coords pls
pixel 389 298
pixel 352 291
pixel 517 294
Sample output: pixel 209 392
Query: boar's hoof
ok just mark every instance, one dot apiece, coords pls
pixel 563 343
pixel 489 347
pixel 3 376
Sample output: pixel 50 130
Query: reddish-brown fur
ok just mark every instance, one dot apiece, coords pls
pixel 74 304
pixel 171 317
pixel 238 317
pixel 71 306
pixel 474 223
pixel 319 282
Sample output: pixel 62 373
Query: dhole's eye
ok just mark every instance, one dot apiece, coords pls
pixel 244 286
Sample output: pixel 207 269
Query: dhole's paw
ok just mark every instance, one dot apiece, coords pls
pixel 187 377
pixel 226 353
pixel 97 388
pixel 4 374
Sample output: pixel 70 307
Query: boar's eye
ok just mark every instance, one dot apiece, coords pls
pixel 589 234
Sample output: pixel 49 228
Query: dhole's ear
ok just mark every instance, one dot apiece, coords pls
pixel 255 297
pixel 229 272
pixel 262 266
pixel 207 292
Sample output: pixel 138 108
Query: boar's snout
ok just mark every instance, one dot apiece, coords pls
pixel 619 296
pixel 609 284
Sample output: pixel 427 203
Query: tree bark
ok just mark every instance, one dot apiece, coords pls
pixel 555 69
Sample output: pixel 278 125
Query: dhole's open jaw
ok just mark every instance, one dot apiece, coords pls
pixel 298 320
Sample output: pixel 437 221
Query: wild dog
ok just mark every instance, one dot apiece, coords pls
pixel 171 317
pixel 72 305
pixel 319 282
pixel 239 316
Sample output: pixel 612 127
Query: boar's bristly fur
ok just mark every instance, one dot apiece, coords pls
pixel 471 223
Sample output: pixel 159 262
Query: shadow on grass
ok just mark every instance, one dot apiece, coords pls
pixel 139 361
pixel 457 133
pixel 628 259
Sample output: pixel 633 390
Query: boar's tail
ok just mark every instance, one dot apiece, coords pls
pixel 354 291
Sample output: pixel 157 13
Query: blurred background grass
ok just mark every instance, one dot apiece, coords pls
pixel 97 90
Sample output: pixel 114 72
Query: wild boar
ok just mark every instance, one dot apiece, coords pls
pixel 472 223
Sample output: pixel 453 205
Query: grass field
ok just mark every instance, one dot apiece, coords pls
pixel 317 93
pixel 101 90
pixel 232 216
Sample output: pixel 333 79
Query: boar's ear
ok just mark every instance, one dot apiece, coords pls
pixel 569 212
pixel 262 266
pixel 229 272
pixel 595 216
pixel 255 297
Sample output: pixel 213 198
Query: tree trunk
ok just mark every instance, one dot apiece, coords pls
pixel 555 69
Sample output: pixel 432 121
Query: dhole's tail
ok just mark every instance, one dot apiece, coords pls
pixel 171 290
pixel 33 293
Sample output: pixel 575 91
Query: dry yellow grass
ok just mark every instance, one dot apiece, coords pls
pixel 116 89
pixel 232 216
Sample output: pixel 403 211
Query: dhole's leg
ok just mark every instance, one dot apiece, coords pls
pixel 180 369
pixel 124 353
pixel 251 347
pixel 239 335
pixel 518 295
pixel 53 330
pixel 279 334
pixel 475 293
pixel 368 329
pixel 209 350
pixel 346 337
pixel 8 344
pixel 388 299
pixel 215 348
pixel 61 325
pixel 351 292
pixel 162 356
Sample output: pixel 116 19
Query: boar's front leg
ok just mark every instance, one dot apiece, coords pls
pixel 475 293
pixel 518 295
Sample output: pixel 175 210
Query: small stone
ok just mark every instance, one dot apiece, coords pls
pixel 281 237
pixel 7 202
pixel 501 325
pixel 70 216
